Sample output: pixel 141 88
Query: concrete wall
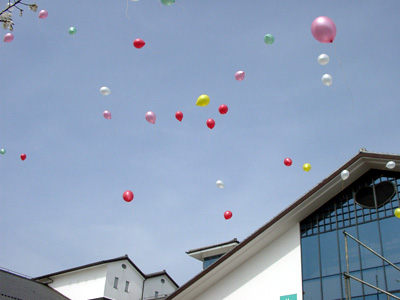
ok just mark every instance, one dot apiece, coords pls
pixel 155 284
pixel 82 284
pixel 273 272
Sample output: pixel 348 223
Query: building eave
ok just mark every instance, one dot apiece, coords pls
pixel 222 248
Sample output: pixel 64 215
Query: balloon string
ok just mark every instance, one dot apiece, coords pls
pixel 126 11
pixel 344 75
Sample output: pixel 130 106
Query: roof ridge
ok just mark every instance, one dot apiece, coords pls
pixel 101 262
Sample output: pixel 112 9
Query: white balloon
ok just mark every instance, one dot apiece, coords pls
pixel 345 174
pixel 105 91
pixel 327 79
pixel 323 59
pixel 390 165
pixel 220 184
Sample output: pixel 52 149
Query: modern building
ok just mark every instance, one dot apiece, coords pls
pixel 15 286
pixel 339 241
pixel 113 279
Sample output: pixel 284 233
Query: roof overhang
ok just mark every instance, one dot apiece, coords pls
pixel 202 253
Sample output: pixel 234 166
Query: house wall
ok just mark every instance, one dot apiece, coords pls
pixel 273 272
pixel 154 284
pixel 82 284
pixel 130 274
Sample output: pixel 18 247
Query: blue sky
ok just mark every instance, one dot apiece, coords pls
pixel 62 207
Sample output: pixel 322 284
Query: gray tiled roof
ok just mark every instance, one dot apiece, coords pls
pixel 16 287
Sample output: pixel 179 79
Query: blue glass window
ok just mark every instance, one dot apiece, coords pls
pixel 391 239
pixel 329 253
pixel 310 257
pixel 312 289
pixel 369 235
pixel 210 260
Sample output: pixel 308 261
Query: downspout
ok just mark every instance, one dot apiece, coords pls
pixel 143 288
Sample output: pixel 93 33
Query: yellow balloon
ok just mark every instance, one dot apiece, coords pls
pixel 307 167
pixel 397 212
pixel 203 100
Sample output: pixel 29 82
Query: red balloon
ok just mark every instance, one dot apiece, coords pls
pixel 223 109
pixel 138 43
pixel 179 115
pixel 128 196
pixel 210 123
pixel 287 161
pixel 23 156
pixel 228 215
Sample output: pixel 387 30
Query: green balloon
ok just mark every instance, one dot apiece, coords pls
pixel 2 151
pixel 269 39
pixel 72 30
pixel 168 2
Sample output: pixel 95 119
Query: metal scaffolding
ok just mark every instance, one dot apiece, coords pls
pixel 347 275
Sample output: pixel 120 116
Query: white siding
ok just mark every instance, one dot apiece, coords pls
pixel 273 272
pixel 154 284
pixel 130 274
pixel 81 285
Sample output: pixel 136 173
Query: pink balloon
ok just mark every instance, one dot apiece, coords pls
pixel 323 29
pixel 239 75
pixel 151 117
pixel 107 114
pixel 43 14
pixel 8 37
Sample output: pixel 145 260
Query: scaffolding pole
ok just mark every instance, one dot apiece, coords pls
pixel 347 275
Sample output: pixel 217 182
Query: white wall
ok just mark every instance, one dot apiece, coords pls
pixel 154 284
pixel 82 284
pixel 130 274
pixel 273 272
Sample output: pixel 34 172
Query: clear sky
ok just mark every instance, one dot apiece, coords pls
pixel 62 207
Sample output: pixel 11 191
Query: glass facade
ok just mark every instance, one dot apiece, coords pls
pixel 323 242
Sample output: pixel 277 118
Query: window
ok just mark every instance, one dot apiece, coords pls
pixel 210 260
pixel 116 283
pixel 127 286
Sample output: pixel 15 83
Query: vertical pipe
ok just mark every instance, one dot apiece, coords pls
pixel 347 279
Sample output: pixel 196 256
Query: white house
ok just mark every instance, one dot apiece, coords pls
pixel 114 279
pixel 305 251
